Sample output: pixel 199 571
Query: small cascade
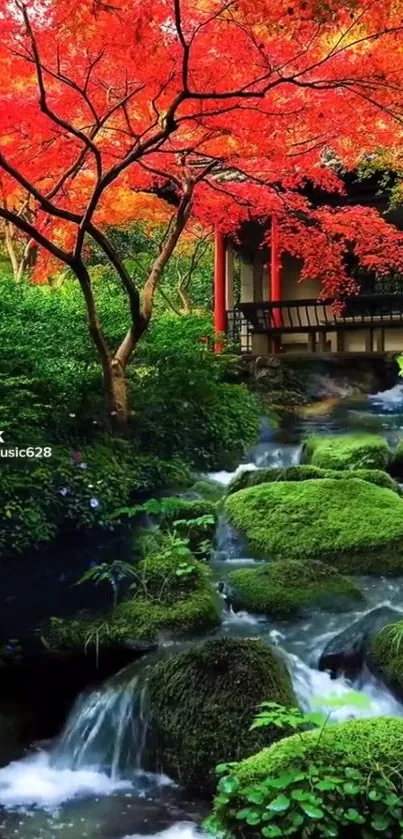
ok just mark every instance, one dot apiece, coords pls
pixel 106 730
pixel 275 455
pixel 99 751
pixel 389 401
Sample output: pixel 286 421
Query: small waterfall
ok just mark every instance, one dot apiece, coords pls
pixel 105 731
pixel 99 751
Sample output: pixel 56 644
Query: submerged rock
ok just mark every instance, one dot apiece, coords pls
pixel 283 588
pixel 350 523
pixel 202 703
pixel 347 652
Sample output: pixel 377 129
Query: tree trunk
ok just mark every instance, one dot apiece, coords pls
pixel 117 396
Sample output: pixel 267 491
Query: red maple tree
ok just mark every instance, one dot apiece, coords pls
pixel 213 110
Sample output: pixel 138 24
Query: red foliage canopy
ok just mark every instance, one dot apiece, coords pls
pixel 225 107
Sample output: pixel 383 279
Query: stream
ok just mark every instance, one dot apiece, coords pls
pixel 89 784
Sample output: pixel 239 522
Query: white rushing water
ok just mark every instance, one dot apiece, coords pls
pixel 181 830
pixel 388 400
pixel 98 753
pixel 35 782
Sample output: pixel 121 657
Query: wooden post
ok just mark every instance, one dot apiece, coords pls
pixel 275 280
pixel 220 315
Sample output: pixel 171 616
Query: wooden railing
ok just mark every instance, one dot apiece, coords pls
pixel 314 317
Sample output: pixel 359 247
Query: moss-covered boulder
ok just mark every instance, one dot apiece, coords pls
pixel 208 489
pixel 385 656
pixel 356 526
pixel 349 451
pixel 281 589
pixel 305 472
pixel 170 595
pixel 202 702
pixel 353 751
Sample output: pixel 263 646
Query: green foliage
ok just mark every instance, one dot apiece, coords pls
pixel 185 414
pixel 209 421
pixel 305 472
pixel 344 779
pixel 171 592
pixel 282 588
pixel 385 656
pixel 349 451
pixel 109 572
pixel 201 704
pixel 348 522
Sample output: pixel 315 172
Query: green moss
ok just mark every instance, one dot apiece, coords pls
pixel 163 601
pixel 305 472
pixel 282 588
pixel 385 656
pixel 349 451
pixel 349 522
pixel 209 490
pixel 202 702
pixel 372 746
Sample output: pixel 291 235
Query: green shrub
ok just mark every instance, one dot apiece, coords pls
pixel 282 588
pixel 201 704
pixel 348 522
pixel 172 592
pixel 345 780
pixel 75 489
pixel 305 472
pixel 349 451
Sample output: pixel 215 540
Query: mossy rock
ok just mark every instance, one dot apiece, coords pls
pixel 171 595
pixel 372 747
pixel 281 589
pixel 385 657
pixel 305 472
pixel 209 490
pixel 348 451
pixel 202 702
pixel 356 526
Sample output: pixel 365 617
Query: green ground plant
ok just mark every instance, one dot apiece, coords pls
pixel 336 780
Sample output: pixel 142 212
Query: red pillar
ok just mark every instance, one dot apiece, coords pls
pixel 275 279
pixel 220 315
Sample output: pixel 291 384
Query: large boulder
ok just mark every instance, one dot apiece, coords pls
pixel 305 472
pixel 348 451
pixel 171 594
pixel 385 654
pixel 347 652
pixel 356 526
pixel 202 703
pixel 298 780
pixel 283 588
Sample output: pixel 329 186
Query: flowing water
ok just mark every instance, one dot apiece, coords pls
pixel 89 783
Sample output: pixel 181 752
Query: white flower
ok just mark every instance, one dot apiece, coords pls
pixel 63 491
pixel 83 465
pixel 72 415
pixel 94 503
